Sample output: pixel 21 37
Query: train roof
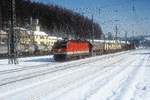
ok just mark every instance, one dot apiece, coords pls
pixel 101 41
pixel 111 41
pixel 72 40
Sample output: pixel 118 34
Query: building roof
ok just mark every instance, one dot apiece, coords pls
pixel 3 32
pixel 40 33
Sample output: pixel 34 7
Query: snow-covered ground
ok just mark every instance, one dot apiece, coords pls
pixel 119 76
pixel 27 62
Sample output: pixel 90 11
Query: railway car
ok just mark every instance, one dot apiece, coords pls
pixel 71 49
pixel 110 46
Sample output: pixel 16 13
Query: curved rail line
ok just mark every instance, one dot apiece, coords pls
pixel 47 71
pixel 103 81
pixel 43 65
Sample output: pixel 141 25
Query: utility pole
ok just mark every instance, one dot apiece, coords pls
pixel 92 34
pixel 134 14
pixel 99 11
pixel 92 29
pixel 126 37
pixel 32 32
pixel 104 43
pixel 12 46
pixel 116 32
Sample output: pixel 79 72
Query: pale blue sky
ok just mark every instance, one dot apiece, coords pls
pixel 109 13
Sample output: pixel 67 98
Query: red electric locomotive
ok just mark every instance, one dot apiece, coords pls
pixel 71 49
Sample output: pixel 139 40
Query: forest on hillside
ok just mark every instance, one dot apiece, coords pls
pixel 52 18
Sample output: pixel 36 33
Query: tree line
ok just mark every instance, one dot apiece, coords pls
pixel 52 18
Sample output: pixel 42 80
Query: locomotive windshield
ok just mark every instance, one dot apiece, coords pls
pixel 60 44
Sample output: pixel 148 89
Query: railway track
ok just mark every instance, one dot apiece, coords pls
pixel 129 80
pixel 127 74
pixel 93 77
pixel 39 72
pixel 97 82
pixel 45 65
pixel 109 79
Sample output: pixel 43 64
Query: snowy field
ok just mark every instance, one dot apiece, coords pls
pixel 119 76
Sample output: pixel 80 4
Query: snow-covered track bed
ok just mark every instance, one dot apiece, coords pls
pixel 90 83
pixel 18 74
pixel 118 85
pixel 107 77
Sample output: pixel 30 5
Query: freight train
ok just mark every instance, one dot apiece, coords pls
pixel 73 49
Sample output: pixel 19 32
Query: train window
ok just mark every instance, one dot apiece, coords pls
pixel 60 44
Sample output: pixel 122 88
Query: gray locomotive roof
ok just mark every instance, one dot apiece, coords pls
pixel 110 41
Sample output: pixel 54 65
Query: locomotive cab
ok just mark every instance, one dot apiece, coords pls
pixel 71 49
pixel 59 50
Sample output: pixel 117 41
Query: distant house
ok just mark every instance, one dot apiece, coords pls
pixel 3 42
pixel 39 39
pixel 29 40
pixel 3 37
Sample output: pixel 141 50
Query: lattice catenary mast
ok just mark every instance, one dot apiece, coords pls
pixel 12 42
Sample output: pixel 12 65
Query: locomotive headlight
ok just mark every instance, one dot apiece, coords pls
pixel 59 50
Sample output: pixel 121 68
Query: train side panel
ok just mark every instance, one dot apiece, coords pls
pixel 78 47
pixel 74 49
